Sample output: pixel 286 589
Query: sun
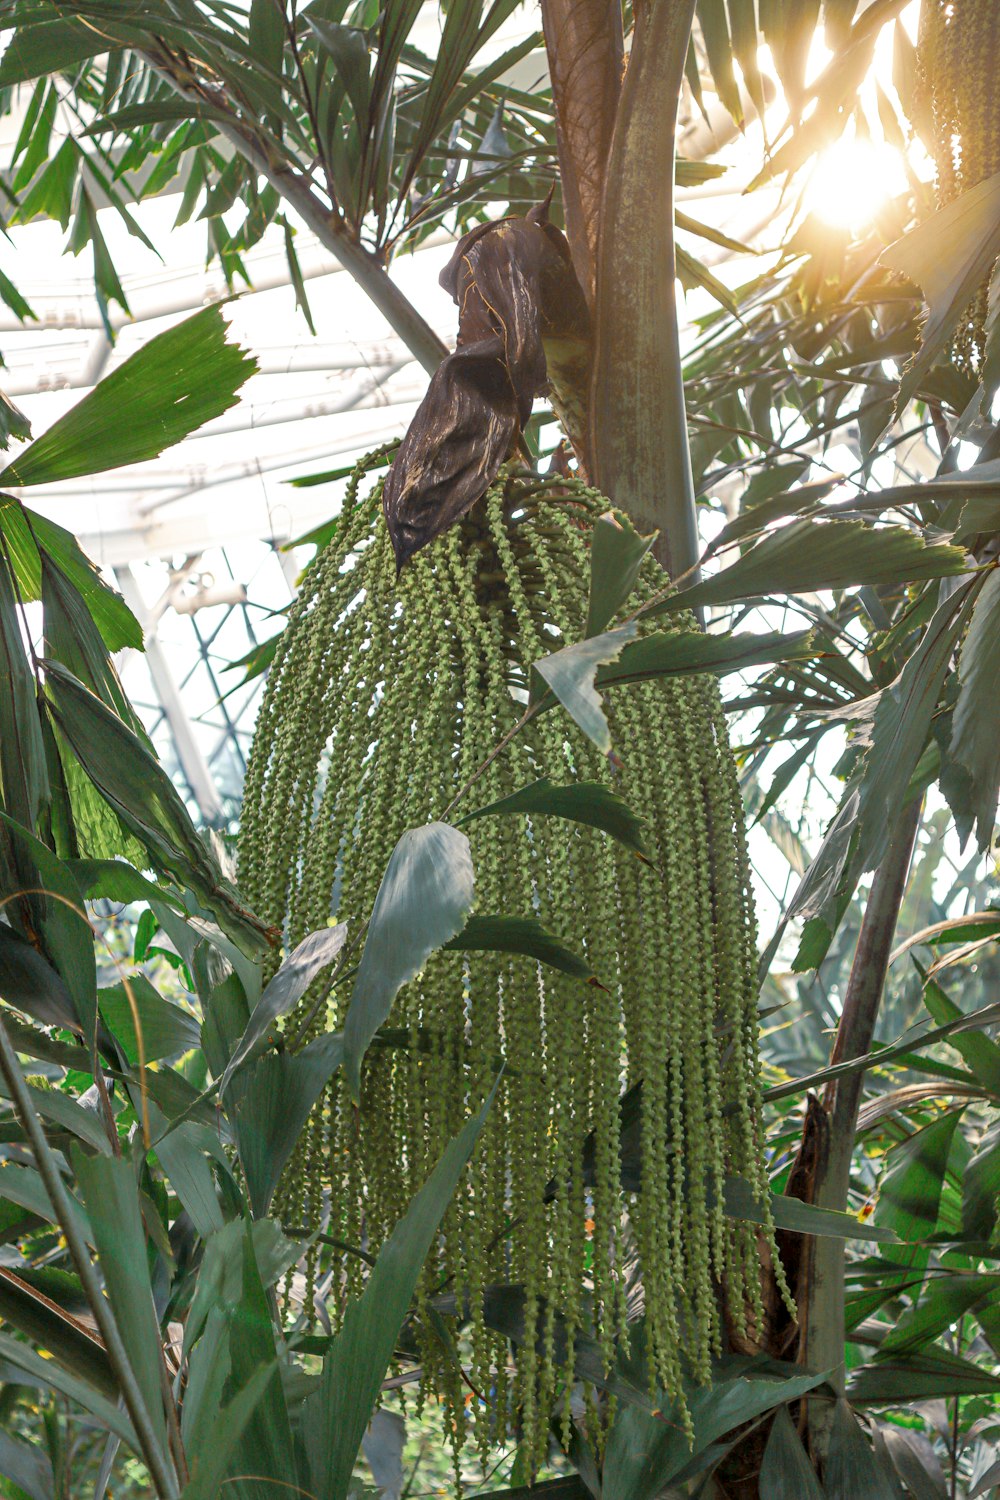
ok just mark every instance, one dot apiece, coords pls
pixel 852 180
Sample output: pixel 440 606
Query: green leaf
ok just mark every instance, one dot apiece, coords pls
pixel 276 1096
pixel 266 40
pixel 851 1471
pixel 27 534
pixel 38 1316
pixel 909 1197
pixel 27 1466
pixel 143 796
pixel 50 1376
pixel 314 954
pixel 334 1418
pixel 220 1277
pixel 52 192
pixel 981 1054
pixel 211 1460
pixel 682 653
pixel 915 1462
pixel 30 983
pixel 949 256
pixel 797 1217
pixel 266 1451
pixel 71 636
pixel 425 896
pixel 183 1159
pixel 64 1112
pixel 616 554
pixel 943 1300
pixel 518 935
pixel 13 422
pixel 113 880
pixel 347 48
pixel 166 1029
pixel 169 388
pixel 981 1186
pixel 49 47
pixel 589 802
pixel 905 1378
pixel 111 1195
pixel 23 1185
pixel 23 775
pixel 786 1473
pixel 808 555
pixel 971 776
pixel 646 1451
pixel 64 925
pixel 570 673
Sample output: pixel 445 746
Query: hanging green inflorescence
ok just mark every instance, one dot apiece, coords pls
pixel 384 698
pixel 957 51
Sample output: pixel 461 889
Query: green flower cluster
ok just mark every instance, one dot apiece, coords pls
pixel 384 698
pixel 957 51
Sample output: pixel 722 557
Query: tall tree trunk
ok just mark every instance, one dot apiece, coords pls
pixel 637 416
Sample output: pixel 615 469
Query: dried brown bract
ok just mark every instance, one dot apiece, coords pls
pixel 523 326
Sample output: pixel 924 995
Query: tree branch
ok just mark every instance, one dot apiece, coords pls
pixel 366 268
pixel 823 1314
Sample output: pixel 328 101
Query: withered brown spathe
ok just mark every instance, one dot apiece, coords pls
pixel 522 326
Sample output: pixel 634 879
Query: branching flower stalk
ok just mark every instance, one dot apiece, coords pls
pixel 385 698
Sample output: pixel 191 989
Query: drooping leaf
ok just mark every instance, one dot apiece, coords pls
pixel 616 554
pixel 423 901
pixel 942 1302
pixel 143 796
pixel 111 1195
pixel 24 779
pixel 169 388
pixel 807 555
pixel 29 535
pixel 786 1473
pixel 165 1028
pixel 915 1462
pixel 31 984
pixel 63 924
pixel 797 1217
pixel 27 1466
pixel 971 774
pixel 56 1330
pixel 949 255
pixel 682 653
pixel 49 47
pixel 910 1191
pixel 496 934
pixel 189 1172
pixel 276 1096
pixel 570 673
pixel 851 1471
pixel 905 1378
pixel 589 802
pixel 383 1445
pixel 50 1376
pixel 314 954
pixel 24 1186
pixel 336 1415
